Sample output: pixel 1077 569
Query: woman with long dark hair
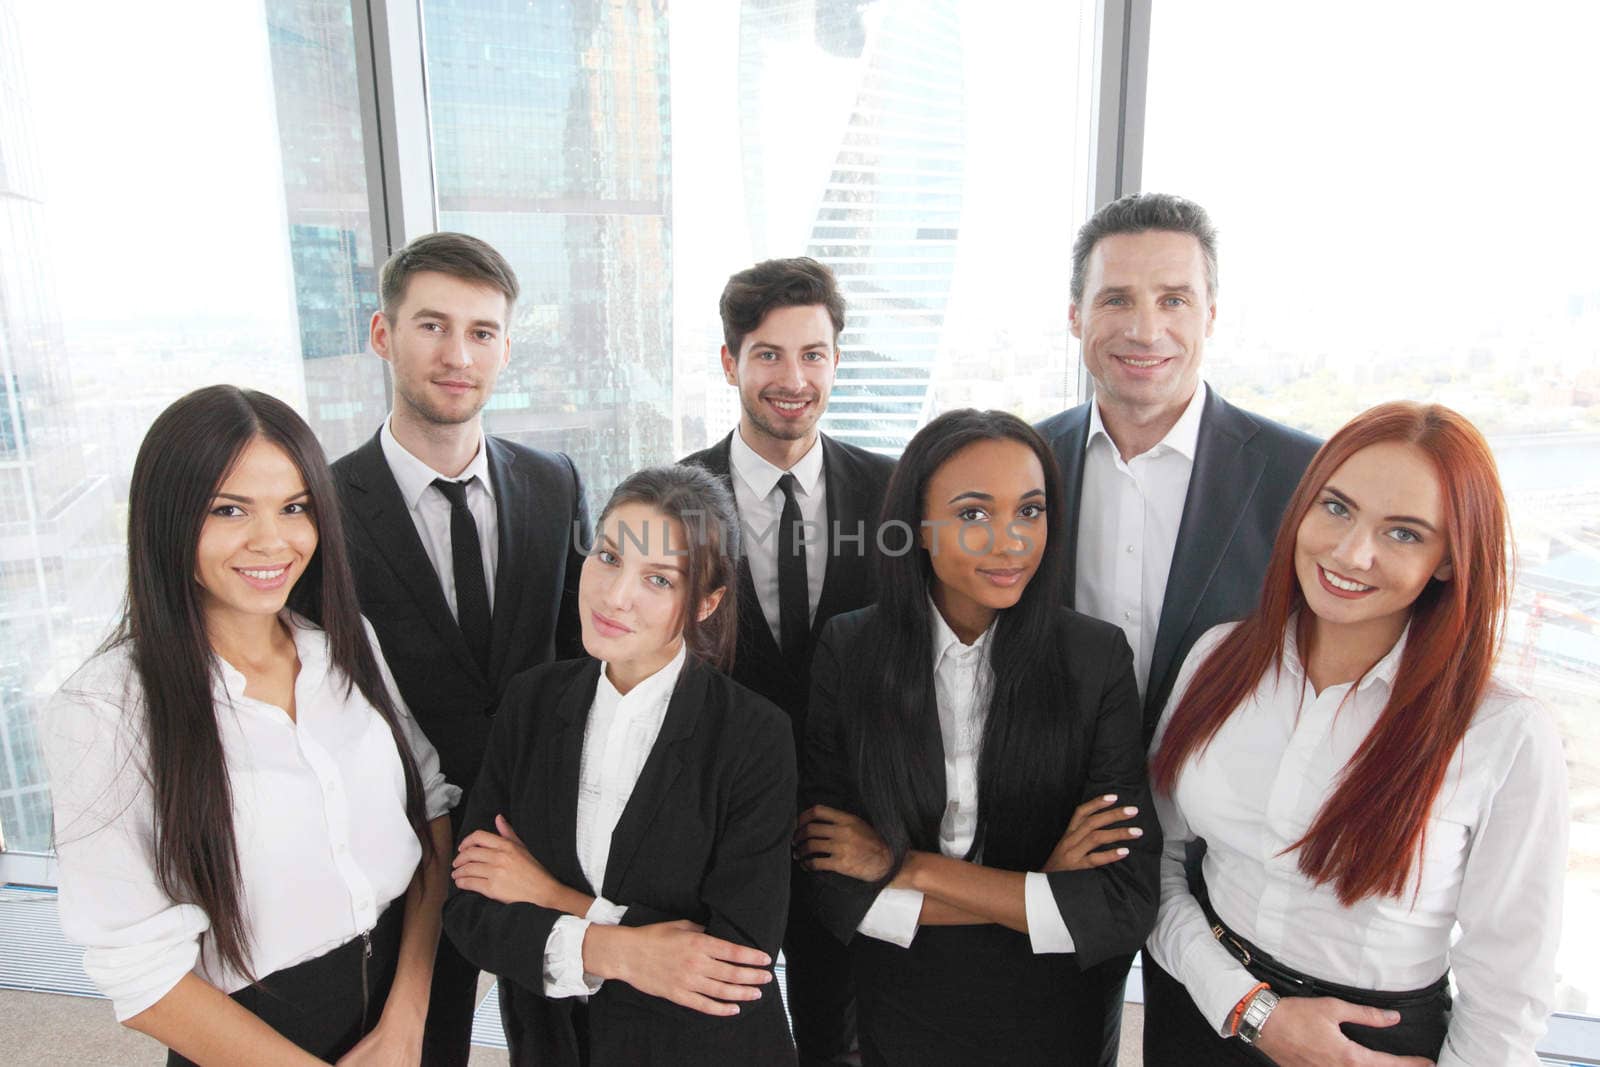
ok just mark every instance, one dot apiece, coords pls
pixel 241 800
pixel 980 828
pixel 1364 786
pixel 624 867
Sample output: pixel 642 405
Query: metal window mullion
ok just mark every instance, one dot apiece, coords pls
pixel 396 130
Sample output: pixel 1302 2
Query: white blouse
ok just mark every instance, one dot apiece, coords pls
pixel 617 739
pixel 318 813
pixel 962 683
pixel 1488 903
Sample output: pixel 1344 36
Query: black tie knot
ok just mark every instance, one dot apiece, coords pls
pixel 455 492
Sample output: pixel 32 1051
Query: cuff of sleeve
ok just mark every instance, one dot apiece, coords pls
pixel 893 916
pixel 1217 998
pixel 1047 930
pixel 604 912
pixel 563 960
pixel 441 798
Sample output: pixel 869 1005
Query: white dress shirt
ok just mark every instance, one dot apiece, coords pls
pixel 617 739
pixel 430 510
pixel 760 504
pixel 1128 517
pixel 963 681
pixel 1493 864
pixel 318 814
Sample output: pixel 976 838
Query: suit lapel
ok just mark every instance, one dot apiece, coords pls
pixel 377 505
pixel 511 494
pixel 1071 450
pixel 562 766
pixel 1224 477
pixel 661 770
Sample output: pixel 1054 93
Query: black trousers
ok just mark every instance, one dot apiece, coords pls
pixel 447 1035
pixel 817 977
pixel 327 1004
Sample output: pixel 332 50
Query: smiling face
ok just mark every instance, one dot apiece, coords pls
pixel 632 593
pixel 985 525
pixel 257 538
pixel 1143 322
pixel 447 342
pixel 784 371
pixel 1371 542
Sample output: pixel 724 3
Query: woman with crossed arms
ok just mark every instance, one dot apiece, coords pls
pixel 981 832
pixel 1363 783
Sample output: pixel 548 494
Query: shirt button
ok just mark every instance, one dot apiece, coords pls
pixel 1127 616
pixel 1130 550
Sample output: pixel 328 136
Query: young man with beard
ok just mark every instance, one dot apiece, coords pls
pixel 808 507
pixel 465 546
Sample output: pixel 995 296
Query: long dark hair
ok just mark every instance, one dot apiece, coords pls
pixel 186 455
pixel 1368 836
pixel 1028 681
pixel 705 508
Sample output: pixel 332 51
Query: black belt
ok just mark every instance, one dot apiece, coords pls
pixel 1424 1013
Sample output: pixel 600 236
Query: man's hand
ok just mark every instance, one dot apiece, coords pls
pixel 827 839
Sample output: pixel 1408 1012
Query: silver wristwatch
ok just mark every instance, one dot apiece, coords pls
pixel 1255 1015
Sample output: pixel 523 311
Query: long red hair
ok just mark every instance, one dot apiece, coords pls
pixel 1369 834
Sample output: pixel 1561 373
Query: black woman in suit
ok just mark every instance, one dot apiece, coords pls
pixel 980 830
pixel 625 865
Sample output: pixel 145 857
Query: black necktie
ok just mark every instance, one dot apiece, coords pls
pixel 466 559
pixel 794 591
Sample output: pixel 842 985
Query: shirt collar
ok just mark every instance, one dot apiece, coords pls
pixel 651 695
pixel 414 477
pixel 310 646
pixel 945 640
pixel 1183 438
pixel 1381 672
pixel 761 476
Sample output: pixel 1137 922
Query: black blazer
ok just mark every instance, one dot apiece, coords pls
pixel 543 525
pixel 978 994
pixel 1245 470
pixel 856 482
pixel 704 836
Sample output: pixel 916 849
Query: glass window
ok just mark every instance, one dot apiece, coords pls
pixel 204 221
pixel 1403 196
pixel 628 157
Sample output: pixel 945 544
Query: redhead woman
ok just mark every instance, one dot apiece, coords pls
pixel 624 868
pixel 1363 784
pixel 980 830
pixel 252 832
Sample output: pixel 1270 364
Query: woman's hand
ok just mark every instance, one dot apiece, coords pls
pixel 501 868
pixel 388 1044
pixel 827 839
pixel 680 962
pixel 1304 1032
pixel 1088 831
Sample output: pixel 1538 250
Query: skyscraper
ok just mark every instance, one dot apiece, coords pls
pixel 888 211
pixel 58 560
pixel 551 130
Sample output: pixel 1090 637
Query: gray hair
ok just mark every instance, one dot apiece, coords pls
pixel 1141 213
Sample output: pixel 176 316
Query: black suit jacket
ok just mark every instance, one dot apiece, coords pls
pixel 855 484
pixel 543 525
pixel 704 836
pixel 1245 470
pixel 969 994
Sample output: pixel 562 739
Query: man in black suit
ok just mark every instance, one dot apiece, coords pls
pixel 1173 495
pixel 465 546
pixel 808 508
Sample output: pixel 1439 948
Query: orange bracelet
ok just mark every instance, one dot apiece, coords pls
pixel 1238 1009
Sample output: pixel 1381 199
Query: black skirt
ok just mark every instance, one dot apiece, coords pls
pixel 328 1004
